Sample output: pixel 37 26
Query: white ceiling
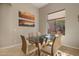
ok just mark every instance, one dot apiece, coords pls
pixel 39 5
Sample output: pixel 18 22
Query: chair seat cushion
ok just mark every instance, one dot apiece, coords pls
pixel 32 49
pixel 46 49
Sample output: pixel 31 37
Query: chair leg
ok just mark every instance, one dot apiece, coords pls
pixel 38 52
pixel 37 44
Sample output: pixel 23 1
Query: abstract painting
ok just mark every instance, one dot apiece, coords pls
pixel 26 19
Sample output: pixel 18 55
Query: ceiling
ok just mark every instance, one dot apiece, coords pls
pixel 39 5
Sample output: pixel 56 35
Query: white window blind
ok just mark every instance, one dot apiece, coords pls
pixel 56 15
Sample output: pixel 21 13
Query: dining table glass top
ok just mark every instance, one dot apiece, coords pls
pixel 41 38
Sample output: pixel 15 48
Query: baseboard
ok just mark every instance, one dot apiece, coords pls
pixel 72 47
pixel 15 45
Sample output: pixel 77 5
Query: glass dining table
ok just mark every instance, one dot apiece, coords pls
pixel 40 39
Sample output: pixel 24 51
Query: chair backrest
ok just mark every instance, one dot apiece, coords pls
pixel 24 44
pixel 52 48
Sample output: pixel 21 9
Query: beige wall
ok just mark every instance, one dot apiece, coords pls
pixel 71 22
pixel 9 29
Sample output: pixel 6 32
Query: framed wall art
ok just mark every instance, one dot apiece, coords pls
pixel 26 19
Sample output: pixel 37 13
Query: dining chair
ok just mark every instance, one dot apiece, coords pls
pixel 34 37
pixel 46 48
pixel 26 48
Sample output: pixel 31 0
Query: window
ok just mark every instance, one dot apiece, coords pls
pixel 56 22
